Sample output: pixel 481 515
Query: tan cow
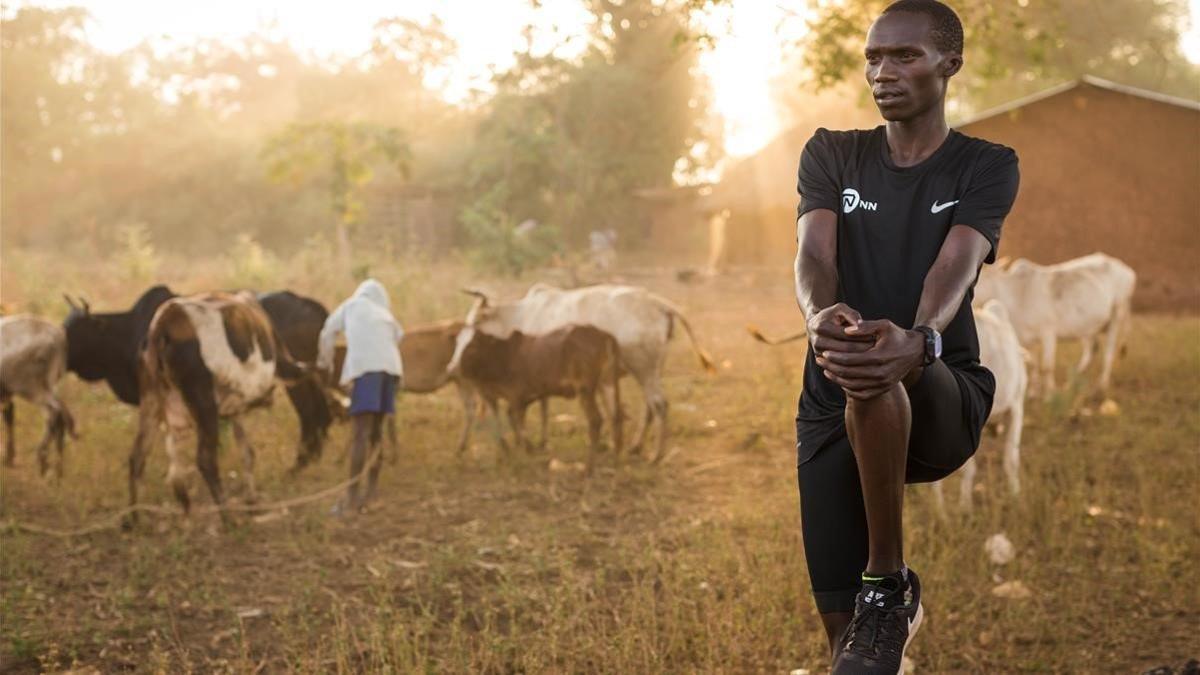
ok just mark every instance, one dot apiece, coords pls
pixel 641 322
pixel 521 369
pixel 1084 299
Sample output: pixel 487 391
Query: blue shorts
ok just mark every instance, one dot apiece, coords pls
pixel 373 392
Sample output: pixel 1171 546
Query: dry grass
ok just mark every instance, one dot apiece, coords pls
pixel 486 564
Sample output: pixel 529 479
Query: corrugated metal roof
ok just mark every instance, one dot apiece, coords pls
pixel 1067 86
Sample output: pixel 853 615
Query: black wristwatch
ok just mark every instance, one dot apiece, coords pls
pixel 933 343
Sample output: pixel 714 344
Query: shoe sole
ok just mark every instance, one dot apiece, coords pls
pixel 912 632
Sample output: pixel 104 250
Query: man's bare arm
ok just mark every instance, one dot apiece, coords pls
pixel 816 285
pixel 898 353
pixel 816 261
pixel 952 273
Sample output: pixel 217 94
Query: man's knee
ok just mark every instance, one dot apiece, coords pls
pixel 892 401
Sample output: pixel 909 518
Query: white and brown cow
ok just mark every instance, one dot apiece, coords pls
pixel 521 369
pixel 641 322
pixel 33 358
pixel 206 357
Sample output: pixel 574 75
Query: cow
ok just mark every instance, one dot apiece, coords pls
pixel 107 346
pixel 297 321
pixel 206 357
pixel 521 369
pixel 1082 298
pixel 641 322
pixel 426 352
pixel 1001 352
pixel 33 358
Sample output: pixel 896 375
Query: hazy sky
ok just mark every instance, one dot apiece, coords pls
pixel 488 32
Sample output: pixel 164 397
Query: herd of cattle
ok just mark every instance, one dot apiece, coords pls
pixel 188 362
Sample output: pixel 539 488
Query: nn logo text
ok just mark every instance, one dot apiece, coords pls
pixel 851 201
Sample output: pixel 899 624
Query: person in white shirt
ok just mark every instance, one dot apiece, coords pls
pixel 373 366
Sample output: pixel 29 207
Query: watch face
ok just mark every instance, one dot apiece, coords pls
pixel 937 345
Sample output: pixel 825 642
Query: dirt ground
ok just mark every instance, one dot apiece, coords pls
pixel 522 564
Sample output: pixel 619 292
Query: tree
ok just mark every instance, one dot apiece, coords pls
pixel 1016 48
pixel 344 154
pixel 568 141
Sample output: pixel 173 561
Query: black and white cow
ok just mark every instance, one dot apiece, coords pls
pixel 107 346
pixel 206 357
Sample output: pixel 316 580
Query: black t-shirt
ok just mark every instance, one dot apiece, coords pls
pixel 891 224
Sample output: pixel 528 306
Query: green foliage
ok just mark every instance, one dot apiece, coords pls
pixel 250 265
pixel 136 258
pixel 499 244
pixel 567 142
pixel 1016 48
pixel 344 154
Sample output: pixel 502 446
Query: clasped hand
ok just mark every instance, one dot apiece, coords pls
pixel 864 358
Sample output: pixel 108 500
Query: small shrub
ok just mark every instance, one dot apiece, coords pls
pixel 137 260
pixel 250 265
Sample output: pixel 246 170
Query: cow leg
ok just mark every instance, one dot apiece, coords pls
pixel 939 498
pixel 48 436
pixel 297 395
pixel 498 425
pixel 177 469
pixel 64 424
pixel 516 418
pixel 1048 343
pixel 207 442
pixel 10 441
pixel 1111 340
pixel 467 395
pixel 656 404
pixel 966 487
pixel 58 423
pixel 595 421
pixel 545 406
pixel 640 439
pixel 617 419
pixel 1087 346
pixel 149 419
pixel 247 450
pixel 1012 447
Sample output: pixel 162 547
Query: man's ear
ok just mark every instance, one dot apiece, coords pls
pixel 950 65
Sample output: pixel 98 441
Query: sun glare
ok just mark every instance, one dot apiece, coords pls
pixel 1189 42
pixel 746 57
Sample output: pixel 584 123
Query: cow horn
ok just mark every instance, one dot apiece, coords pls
pixel 476 293
pixel 70 303
pixel 87 309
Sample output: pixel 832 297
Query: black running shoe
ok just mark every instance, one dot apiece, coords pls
pixel 886 617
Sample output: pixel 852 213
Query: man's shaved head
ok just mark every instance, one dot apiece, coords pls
pixel 945 28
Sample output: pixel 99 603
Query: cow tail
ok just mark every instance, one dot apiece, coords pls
pixel 674 312
pixel 287 368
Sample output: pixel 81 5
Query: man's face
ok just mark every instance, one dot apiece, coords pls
pixel 904 68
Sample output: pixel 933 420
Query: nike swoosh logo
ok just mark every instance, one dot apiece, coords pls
pixel 938 208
